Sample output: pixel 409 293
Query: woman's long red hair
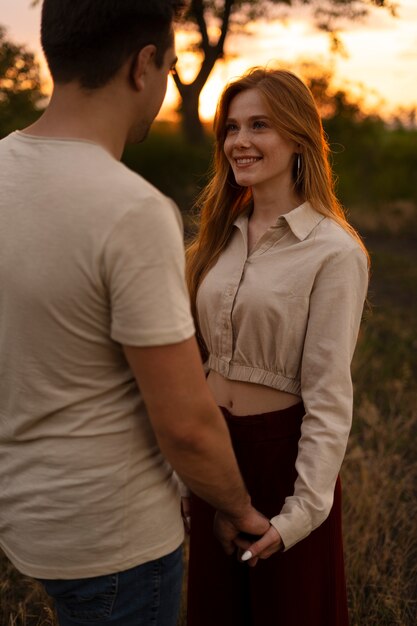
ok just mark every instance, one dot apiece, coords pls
pixel 295 116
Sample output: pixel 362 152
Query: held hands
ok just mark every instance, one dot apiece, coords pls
pixel 264 547
pixel 238 533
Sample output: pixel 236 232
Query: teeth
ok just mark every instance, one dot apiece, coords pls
pixel 247 160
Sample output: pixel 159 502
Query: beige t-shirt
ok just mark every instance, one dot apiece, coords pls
pixel 91 257
pixel 287 316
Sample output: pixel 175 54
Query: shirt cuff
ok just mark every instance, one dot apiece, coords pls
pixel 292 527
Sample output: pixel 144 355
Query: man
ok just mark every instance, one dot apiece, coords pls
pixel 95 326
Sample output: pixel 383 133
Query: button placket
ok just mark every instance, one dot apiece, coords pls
pixel 229 295
pixel 225 326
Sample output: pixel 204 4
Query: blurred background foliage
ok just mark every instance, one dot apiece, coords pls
pixel 21 97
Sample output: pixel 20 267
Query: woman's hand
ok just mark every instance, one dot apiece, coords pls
pixel 186 513
pixel 268 544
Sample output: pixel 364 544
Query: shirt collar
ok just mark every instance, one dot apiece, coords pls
pixel 242 221
pixel 301 220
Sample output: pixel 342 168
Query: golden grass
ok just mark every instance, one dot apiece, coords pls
pixel 380 511
pixel 22 600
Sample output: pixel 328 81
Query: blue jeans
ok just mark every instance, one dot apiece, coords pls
pixel 146 595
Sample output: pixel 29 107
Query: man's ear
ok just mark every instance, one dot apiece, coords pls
pixel 142 62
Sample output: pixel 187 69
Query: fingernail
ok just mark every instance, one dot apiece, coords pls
pixel 246 555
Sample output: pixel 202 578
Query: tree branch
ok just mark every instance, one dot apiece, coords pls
pixel 225 26
pixel 197 9
pixel 213 52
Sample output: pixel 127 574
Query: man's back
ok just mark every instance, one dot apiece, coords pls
pixel 80 471
pixel 92 278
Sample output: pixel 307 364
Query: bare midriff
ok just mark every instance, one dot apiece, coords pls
pixel 243 398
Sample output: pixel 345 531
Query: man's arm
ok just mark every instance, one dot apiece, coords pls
pixel 191 431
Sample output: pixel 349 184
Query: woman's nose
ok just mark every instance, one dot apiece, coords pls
pixel 242 138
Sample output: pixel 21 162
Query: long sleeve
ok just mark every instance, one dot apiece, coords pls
pixel 336 305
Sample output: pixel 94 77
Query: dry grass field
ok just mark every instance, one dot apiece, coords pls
pixel 380 471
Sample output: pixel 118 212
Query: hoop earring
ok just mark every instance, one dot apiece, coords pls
pixel 298 165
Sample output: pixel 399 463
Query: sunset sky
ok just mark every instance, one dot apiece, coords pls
pixel 381 53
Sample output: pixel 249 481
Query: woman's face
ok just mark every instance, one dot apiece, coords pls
pixel 258 154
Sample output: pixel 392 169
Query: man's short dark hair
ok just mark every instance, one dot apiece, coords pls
pixel 89 40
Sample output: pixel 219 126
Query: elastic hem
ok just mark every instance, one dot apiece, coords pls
pixel 257 375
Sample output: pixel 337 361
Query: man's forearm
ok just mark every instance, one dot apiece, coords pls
pixel 189 426
pixel 205 461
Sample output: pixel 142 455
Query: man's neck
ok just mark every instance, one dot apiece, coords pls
pixel 74 113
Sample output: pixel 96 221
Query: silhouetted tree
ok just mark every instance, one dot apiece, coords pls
pixel 232 16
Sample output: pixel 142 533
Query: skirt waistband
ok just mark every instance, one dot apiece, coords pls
pixel 282 423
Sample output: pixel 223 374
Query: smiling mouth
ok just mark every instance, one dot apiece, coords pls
pixel 247 160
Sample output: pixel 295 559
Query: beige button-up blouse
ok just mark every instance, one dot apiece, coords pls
pixel 287 316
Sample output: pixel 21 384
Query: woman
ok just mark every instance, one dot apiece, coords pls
pixel 278 280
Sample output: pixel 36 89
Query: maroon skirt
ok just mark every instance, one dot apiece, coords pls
pixel 302 587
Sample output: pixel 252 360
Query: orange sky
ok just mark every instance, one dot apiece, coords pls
pixel 382 53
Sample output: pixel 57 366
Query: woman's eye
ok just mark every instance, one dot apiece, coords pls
pixel 259 124
pixel 231 128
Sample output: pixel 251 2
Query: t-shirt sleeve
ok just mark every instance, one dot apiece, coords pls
pixel 144 274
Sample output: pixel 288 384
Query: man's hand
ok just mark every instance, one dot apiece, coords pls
pixel 227 529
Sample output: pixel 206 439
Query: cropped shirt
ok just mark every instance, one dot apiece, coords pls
pixel 287 316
